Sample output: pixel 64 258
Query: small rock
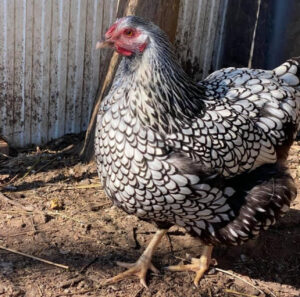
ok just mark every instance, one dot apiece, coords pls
pixel 95 207
pixel 243 258
pixel 56 204
pixel 298 171
pixel 71 171
pixel 3 177
pixel 10 188
pixel 211 271
pixel 64 252
pixel 85 182
pixel 6 267
pixel 4 148
pixel 31 292
pixel 2 289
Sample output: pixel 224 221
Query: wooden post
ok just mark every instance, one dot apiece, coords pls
pixel 165 14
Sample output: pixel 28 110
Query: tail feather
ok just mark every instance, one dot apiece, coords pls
pixel 289 72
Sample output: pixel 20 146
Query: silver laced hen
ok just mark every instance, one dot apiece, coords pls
pixel 209 157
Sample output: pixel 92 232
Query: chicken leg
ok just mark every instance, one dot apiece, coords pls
pixel 141 266
pixel 198 265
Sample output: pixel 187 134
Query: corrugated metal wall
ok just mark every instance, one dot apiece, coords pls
pixel 200 35
pixel 50 70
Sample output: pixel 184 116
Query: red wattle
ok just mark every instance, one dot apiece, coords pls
pixel 123 51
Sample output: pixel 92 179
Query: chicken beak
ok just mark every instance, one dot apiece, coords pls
pixel 104 44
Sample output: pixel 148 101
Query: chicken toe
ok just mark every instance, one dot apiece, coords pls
pixel 200 266
pixel 142 265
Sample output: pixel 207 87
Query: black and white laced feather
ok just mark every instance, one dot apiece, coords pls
pixel 209 157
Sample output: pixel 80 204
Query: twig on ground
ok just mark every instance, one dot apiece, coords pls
pixel 134 236
pixel 71 282
pixel 45 165
pixel 269 291
pixel 31 168
pixel 75 293
pixel 46 213
pixel 33 257
pixel 139 292
pixel 52 213
pixel 33 224
pixel 243 280
pixel 5 156
pixel 40 290
pixel 19 212
pixel 171 244
pixel 104 204
pixel 12 180
pixel 96 185
pixel 30 231
pixel 238 293
pixel 86 266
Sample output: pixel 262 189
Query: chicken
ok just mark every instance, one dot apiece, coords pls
pixel 209 157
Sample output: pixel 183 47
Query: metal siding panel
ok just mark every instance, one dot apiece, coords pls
pixel 198 35
pixel 49 82
pixel 200 20
pixel 75 65
pixel 100 16
pixel 238 36
pixel 219 37
pixel 7 66
pixel 19 70
pixel 3 102
pixel 91 59
pixel 41 70
pixel 183 28
pixel 59 58
pixel 209 36
pixel 108 16
pixel 28 65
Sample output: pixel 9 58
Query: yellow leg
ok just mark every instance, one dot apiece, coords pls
pixel 141 266
pixel 198 265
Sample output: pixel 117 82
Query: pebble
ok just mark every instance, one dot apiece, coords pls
pixel 243 258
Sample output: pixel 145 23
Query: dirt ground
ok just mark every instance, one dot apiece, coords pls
pixel 53 208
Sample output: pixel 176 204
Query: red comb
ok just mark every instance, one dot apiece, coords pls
pixel 110 30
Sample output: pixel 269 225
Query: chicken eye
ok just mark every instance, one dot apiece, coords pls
pixel 128 32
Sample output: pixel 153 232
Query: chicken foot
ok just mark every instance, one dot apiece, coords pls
pixel 197 265
pixel 141 266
